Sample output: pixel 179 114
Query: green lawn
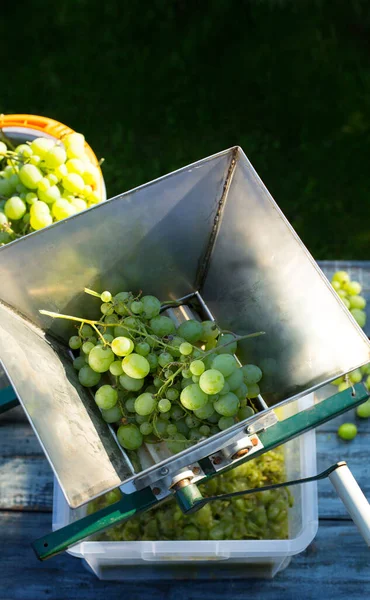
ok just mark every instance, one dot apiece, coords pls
pixel 156 85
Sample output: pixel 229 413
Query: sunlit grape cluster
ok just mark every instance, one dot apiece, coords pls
pixel 156 382
pixel 350 294
pixel 44 181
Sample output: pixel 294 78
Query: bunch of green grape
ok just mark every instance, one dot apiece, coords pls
pixel 44 181
pixel 350 293
pixel 159 383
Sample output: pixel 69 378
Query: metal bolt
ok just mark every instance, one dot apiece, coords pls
pixel 163 471
pixel 217 460
pixel 196 470
pixel 156 491
pixel 240 453
pixel 254 441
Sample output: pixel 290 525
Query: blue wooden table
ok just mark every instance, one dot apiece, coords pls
pixel 336 565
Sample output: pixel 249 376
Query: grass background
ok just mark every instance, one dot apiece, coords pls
pixel 156 85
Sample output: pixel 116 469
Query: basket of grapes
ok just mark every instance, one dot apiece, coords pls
pixel 47 173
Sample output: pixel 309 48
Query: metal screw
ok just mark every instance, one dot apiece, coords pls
pixel 196 470
pixel 217 460
pixel 156 491
pixel 163 471
pixel 240 453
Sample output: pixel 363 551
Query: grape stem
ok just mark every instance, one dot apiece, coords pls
pixel 237 338
pixel 92 293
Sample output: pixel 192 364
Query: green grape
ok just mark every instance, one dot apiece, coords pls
pixel 108 338
pixel 107 308
pixel 363 411
pixel 60 172
pixel 346 303
pixel 61 209
pixel 182 427
pixel 136 366
pixel 245 413
pixel 73 183
pixel 100 358
pixel 205 411
pixel 253 390
pixel 15 208
pixel 122 346
pixel 75 165
pixel 40 221
pixel 172 394
pixel 252 374
pixel 225 363
pixel 186 348
pixel 225 389
pixel 211 381
pixel 227 405
pixel 131 384
pixel 347 431
pixel 157 382
pixel 52 178
pixel 30 176
pixel 190 330
pixel 162 325
pixel 75 342
pixel 130 405
pixel 116 368
pixel 153 341
pixel 4 149
pixel 192 397
pixel 142 348
pixel 342 294
pixel 355 376
pixel 194 434
pixel 241 392
pixel 160 427
pixel 166 416
pixel 359 316
pixel 186 373
pixel 3 219
pixel 209 331
pixel 112 415
pixel 31 198
pixel 197 367
pixel 191 421
pixel 353 288
pixel 336 285
pixel 357 302
pixel 175 342
pixel 164 359
pixel 226 422
pixel 164 405
pixel 43 185
pixel 140 419
pixel 168 373
pixel 341 276
pixel 79 362
pixel 88 377
pixel 343 386
pixel 171 429
pixel 151 305
pixel 196 378
pixel 112 319
pixel 146 428
pixel 41 146
pixel 145 404
pixel 87 347
pixel 122 296
pixel 106 397
pixel 106 296
pixel 129 436
pixel 365 369
pixel 152 360
pixel 176 412
pixel 178 443
pixel 204 430
pixel 119 331
pixel 5 187
pixel 86 331
pixel 231 346
pixel 137 307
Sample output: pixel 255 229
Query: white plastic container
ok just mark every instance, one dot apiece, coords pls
pixel 210 559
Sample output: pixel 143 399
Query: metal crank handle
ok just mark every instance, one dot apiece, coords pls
pixel 353 499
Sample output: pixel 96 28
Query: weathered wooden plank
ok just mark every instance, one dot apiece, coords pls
pixel 336 566
pixel 18 439
pixel 26 481
pixel 26 484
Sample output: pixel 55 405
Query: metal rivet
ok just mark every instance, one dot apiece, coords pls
pixel 254 441
pixel 163 471
pixel 196 470
pixel 240 453
pixel 156 491
pixel 217 460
